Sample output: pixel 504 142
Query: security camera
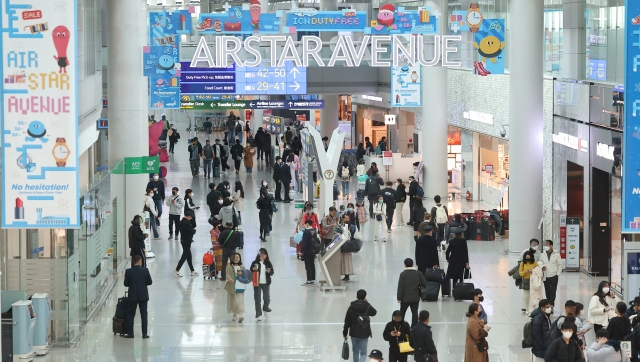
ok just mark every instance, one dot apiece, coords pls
pixel 503 133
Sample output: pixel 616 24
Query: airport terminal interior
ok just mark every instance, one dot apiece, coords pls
pixel 460 157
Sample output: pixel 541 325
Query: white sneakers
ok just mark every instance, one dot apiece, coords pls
pixel 175 272
pixel 266 314
pixel 194 273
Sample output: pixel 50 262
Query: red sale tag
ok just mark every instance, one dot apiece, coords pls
pixel 32 14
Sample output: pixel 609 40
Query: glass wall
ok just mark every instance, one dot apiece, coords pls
pixel 605 40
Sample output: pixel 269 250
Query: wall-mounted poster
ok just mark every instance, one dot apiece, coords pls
pixel 490 44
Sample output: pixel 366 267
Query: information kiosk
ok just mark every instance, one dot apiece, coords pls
pixel 42 309
pixel 331 265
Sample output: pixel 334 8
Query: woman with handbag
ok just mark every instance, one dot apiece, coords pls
pixel 262 270
pixel 380 216
pixel 396 332
pixel 475 347
pixel 235 287
pixel 237 151
pixel 601 306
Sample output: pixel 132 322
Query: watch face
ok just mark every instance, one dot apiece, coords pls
pixel 474 18
pixel 61 152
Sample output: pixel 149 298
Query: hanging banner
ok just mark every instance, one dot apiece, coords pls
pixel 392 20
pixel 314 20
pixel 406 85
pixel 633 274
pixel 162 57
pixel 563 237
pixel 490 44
pixel 39 115
pixel 247 19
pixel 631 141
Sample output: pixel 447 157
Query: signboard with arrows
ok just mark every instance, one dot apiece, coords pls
pixel 187 103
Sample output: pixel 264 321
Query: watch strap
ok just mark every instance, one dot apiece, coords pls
pixel 61 140
pixel 61 163
pixel 474 6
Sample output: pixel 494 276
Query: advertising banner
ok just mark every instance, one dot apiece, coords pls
pixel 319 21
pixel 458 22
pixel 563 237
pixel 406 85
pixel 631 142
pixel 39 115
pixel 572 260
pixel 247 19
pixel 633 274
pixel 392 20
pixel 490 44
pixel 162 57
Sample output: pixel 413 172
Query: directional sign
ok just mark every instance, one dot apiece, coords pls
pixel 257 104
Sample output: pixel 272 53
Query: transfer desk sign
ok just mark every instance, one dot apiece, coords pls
pixel 39 114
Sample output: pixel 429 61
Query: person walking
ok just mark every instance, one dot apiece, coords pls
pixel 440 215
pixel 329 224
pixel 258 142
pixel 475 347
pixel 359 310
pixel 238 199
pixel 533 247
pixel 219 153
pixel 174 136
pixel 457 256
pixel 195 152
pixel 266 147
pixel 552 267
pixel 235 299
pixel 413 195
pixel 265 271
pixel 288 135
pixel 136 240
pixel 294 165
pixel 426 253
pixel 526 269
pixel 277 177
pixel 401 198
pixel 137 279
pixel 564 349
pixel 408 292
pixel 207 157
pixel 372 190
pixel 389 197
pixel 228 239
pixel 207 127
pixel 369 146
pixel 189 206
pixel 238 128
pixel 263 204
pixel 228 214
pixel 606 348
pixel 421 340
pixel 540 326
pixel 396 331
pixel 380 215
pixel 382 145
pixel 176 204
pixel 306 252
pixel 158 194
pixel 285 178
pixel 150 207
pixel 237 152
pixel 186 239
pixel 249 151
pixel 360 153
pixel 345 177
pixel 212 198
pixel 346 259
pixel 417 217
pixel 225 156
pixel 231 128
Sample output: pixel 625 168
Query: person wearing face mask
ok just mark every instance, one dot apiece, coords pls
pixel 277 177
pixel 601 306
pixel 552 268
pixel 187 231
pixel 353 223
pixel 346 259
pixel 569 310
pixel 536 290
pixel 215 210
pixel 389 196
pixel 249 152
pixel 237 152
pixel 526 269
pixel 478 299
pixel 372 189
pixel 401 197
pixel 263 266
pixel 207 155
pixel 395 332
pixel 413 195
pixel 329 225
pixel 136 240
pixel 308 214
pixel 158 194
pixel 582 326
pixel 475 347
pixel 238 199
pixel 223 189
pixel 564 349
pixel 380 217
pixel 421 340
pixel 540 326
pixel 150 207
pixel 263 204
pixel 175 204
pixel 195 152
pixel 189 206
pixel 345 177
pixel 533 247
pixel 606 349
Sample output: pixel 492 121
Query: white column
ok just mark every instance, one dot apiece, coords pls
pixel 329 114
pixel 128 128
pixel 526 123
pixel 328 5
pixel 434 116
pixel 573 39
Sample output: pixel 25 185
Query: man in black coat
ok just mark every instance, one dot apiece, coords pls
pixel 369 146
pixel 421 339
pixel 285 177
pixel 389 196
pixel 358 309
pixel 427 250
pixel 266 147
pixel 413 191
pixel 408 290
pixel 277 177
pixel 137 279
pixel 228 239
pixel 540 326
pixel 564 349
pixel 158 194
pixel 186 238
pixel 257 140
pixel 212 198
pixel 308 234
pixel 136 240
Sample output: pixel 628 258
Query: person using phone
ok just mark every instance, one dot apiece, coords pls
pixel 601 306
pixel 264 269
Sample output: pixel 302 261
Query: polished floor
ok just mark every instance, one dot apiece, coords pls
pixel 188 319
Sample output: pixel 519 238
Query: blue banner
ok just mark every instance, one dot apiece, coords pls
pixel 162 58
pixel 490 44
pixel 406 86
pixel 400 21
pixel 165 26
pixel 631 138
pixel 319 21
pixel 239 21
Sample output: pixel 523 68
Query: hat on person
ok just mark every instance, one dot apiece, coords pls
pixel 376 353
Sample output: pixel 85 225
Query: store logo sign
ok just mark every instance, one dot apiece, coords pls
pixel 605 151
pixel 478 117
pixel 372 98
pixel 570 141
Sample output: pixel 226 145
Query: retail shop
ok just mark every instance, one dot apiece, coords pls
pixel 586 178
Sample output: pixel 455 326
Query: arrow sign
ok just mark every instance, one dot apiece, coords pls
pixel 251 104
pixel 296 87
pixel 295 72
pixel 290 104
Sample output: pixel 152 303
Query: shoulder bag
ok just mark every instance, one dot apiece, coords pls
pixel 405 347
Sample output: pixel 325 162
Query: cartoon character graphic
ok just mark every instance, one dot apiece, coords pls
pixel 254 10
pixel 61 37
pixel 400 80
pixel 489 48
pixel 166 64
pixel 386 17
pixel 36 130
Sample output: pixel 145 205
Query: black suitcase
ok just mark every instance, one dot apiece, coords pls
pixel 431 292
pixel 446 287
pixel 118 326
pixel 434 275
pixel 121 307
pixel 216 171
pixel 462 291
pixel 240 239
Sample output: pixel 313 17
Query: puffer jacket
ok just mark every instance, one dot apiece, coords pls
pixel 597 314
pixel 609 352
pixel 560 351
pixel 540 326
pixel 226 215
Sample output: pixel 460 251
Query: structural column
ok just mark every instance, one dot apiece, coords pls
pixel 573 39
pixel 434 117
pixel 525 120
pixel 127 92
pixel 329 114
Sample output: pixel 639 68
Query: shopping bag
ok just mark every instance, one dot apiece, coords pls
pixel 466 274
pixel 345 350
pixel 357 235
pixel 240 287
pixel 363 178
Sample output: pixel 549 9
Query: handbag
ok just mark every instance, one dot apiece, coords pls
pixel 379 217
pixel 423 292
pixel 232 24
pixel 405 347
pixel 363 178
pixel 345 350
pixel 482 345
pixel 466 274
pixel 240 286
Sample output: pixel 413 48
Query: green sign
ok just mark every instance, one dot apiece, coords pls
pixel 138 165
pixel 202 105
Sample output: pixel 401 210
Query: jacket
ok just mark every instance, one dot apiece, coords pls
pixel 137 279
pixel 453 228
pixel 609 352
pixel 475 333
pixel 372 186
pixel 248 156
pixel 402 327
pixel 413 189
pixel 351 326
pixel 634 337
pixel 285 174
pixel 226 215
pixel 219 150
pixel 228 239
pixel 536 254
pixel 597 315
pixel 186 230
pixel 191 147
pixel 136 239
pixel 188 205
pixel 540 326
pixel 434 211
pixel 536 288
pixel 553 264
pixel 175 204
pixel 277 172
pixel 267 265
pixel 401 193
pixel 159 185
pixel 617 328
pixel 524 267
pixel 150 205
pixel 457 255
pixel 417 216
pixel 380 209
pixel 560 351
pixel 426 254
pixel 230 287
pixel 360 152
pixel 304 216
pixel 389 197
pixel 360 170
pixel 207 152
pixel 421 339
pixel 326 224
pixel 212 200
pixel 238 201
pixel 307 242
pixel 237 151
pixel 408 285
pixel 222 189
pixel 258 138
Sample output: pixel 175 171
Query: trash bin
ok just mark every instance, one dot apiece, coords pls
pixel 42 309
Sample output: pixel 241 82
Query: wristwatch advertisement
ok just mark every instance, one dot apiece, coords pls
pixel 474 17
pixel 61 152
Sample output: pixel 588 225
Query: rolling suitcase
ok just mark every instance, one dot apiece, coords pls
pixel 118 326
pixel 431 292
pixel 240 239
pixel 462 291
pixel 217 257
pixel 434 275
pixel 209 271
pixel 216 171
pixel 120 316
pixel 446 287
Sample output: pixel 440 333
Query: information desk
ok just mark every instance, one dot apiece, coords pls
pixel 402 167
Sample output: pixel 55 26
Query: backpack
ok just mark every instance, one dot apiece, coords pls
pixel 363 322
pixel 554 331
pixel 527 336
pixel 207 259
pixel 441 215
pixel 419 191
pixel 373 186
pixel 345 174
pixel 238 127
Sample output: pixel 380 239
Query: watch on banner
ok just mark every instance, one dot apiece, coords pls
pixel 474 17
pixel 61 152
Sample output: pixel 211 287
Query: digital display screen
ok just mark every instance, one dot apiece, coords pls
pixel 263 80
